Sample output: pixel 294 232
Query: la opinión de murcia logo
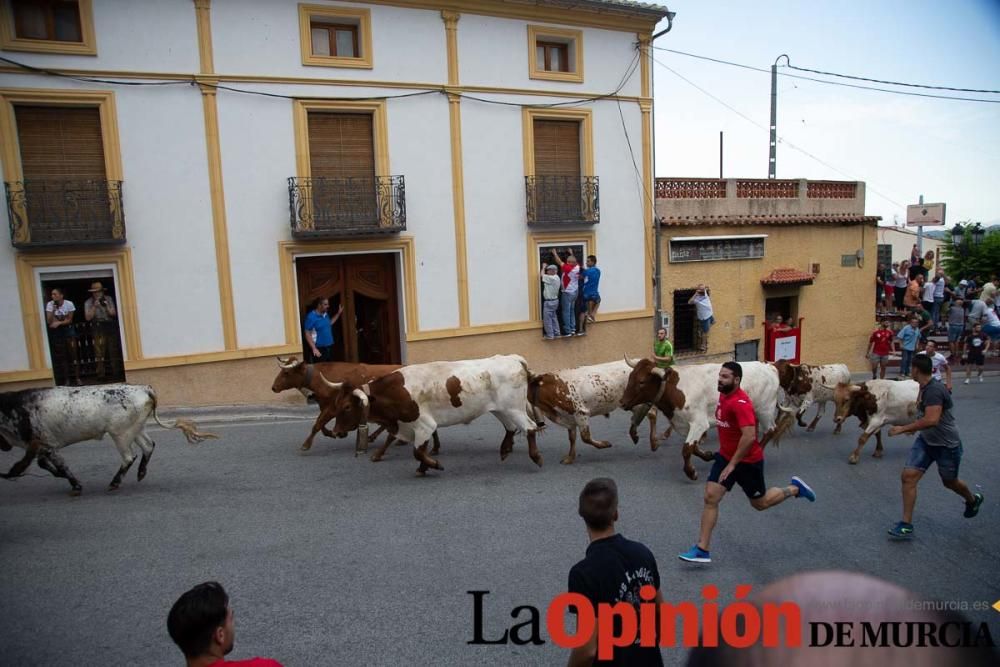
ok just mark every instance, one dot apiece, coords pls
pixel 739 624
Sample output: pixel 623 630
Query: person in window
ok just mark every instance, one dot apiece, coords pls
pixel 100 311
pixel 62 337
pixel 703 310
pixel 591 287
pixel 550 301
pixel 319 330
pixel 570 289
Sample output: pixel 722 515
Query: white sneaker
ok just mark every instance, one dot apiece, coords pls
pixel 966 381
pixel 980 379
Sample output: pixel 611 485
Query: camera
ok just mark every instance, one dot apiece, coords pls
pixel 104 301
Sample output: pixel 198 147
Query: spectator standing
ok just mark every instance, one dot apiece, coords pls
pixel 201 624
pixel 914 291
pixel 703 312
pixel 59 313
pixel 663 350
pixel 991 321
pixel 580 310
pixel 956 327
pixel 929 258
pixel 917 268
pixel 879 348
pixel 977 311
pixel 614 571
pixel 319 330
pixel 938 442
pixel 976 346
pixel 927 297
pixel 902 280
pixel 940 285
pixel 914 254
pixel 938 363
pixel 550 301
pixel 989 290
pixel 591 288
pixel 100 311
pixel 890 286
pixel 908 337
pixel 879 285
pixel 926 325
pixel 570 289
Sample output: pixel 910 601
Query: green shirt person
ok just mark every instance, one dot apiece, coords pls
pixel 663 350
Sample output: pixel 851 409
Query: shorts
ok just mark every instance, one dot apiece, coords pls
pixel 955 332
pixel 923 455
pixel 975 359
pixel 879 359
pixel 750 476
pixel 707 324
pixel 596 298
pixel 890 291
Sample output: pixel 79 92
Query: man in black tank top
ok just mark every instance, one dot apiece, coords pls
pixel 613 571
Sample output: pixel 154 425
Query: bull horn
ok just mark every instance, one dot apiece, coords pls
pixel 631 362
pixel 331 385
pixel 855 387
pixel 830 387
pixel 364 400
pixel 290 362
pixel 661 372
pixel 786 409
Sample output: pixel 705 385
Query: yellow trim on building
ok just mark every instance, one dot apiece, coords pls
pixel 486 329
pixel 648 205
pixel 289 250
pixel 212 357
pixel 361 15
pixel 645 41
pixel 536 239
pixel 300 119
pixel 9 41
pixel 458 201
pixel 32 300
pixel 584 116
pixel 451 35
pixel 573 38
pixel 203 16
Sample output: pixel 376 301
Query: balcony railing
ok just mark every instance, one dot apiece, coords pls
pixel 562 199
pixel 329 207
pixel 53 212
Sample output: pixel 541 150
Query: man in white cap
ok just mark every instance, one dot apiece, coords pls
pixel 100 311
pixel 550 301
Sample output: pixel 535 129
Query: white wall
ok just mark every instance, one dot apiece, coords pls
pixel 134 36
pixel 13 352
pixel 902 242
pixel 262 37
pixel 494 52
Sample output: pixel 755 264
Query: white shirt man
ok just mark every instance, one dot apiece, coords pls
pixel 703 306
pixel 939 287
pixel 928 295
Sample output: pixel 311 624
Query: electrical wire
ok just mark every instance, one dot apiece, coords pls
pixel 892 83
pixel 781 140
pixel 837 83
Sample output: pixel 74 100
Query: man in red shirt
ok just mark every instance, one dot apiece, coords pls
pixel 740 460
pixel 201 624
pixel 879 348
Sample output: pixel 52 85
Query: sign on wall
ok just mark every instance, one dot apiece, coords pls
pixel 708 249
pixel 925 215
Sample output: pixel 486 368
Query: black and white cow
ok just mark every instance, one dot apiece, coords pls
pixel 43 421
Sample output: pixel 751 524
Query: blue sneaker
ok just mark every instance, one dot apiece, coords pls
pixel 902 531
pixel 805 491
pixel 695 555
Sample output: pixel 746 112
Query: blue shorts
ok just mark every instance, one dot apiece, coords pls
pixel 707 324
pixel 923 455
pixel 955 332
pixel 595 297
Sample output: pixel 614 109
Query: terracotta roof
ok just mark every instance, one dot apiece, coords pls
pixel 788 277
pixel 792 219
pixel 648 8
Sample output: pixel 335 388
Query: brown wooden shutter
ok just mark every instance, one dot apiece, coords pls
pixel 60 143
pixel 341 145
pixel 557 148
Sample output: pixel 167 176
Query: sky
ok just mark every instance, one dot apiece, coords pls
pixel 901 146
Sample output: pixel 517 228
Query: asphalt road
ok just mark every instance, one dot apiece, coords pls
pixel 330 559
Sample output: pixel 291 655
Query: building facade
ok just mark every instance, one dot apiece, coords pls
pixel 801 249
pixel 410 160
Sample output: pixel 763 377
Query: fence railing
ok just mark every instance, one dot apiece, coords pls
pixel 690 188
pixel 753 188
pixel 562 199
pixel 53 212
pixel 831 190
pixel 347 206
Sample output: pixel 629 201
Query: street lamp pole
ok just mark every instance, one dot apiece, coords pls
pixel 772 163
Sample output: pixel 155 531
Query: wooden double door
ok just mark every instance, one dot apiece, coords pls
pixel 368 329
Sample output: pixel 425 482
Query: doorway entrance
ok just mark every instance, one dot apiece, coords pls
pixel 365 285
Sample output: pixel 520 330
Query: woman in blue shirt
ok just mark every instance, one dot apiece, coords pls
pixel 319 330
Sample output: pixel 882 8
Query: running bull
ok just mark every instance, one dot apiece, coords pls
pixel 875 403
pixel 805 384
pixel 416 400
pixel 571 397
pixel 43 421
pixel 688 396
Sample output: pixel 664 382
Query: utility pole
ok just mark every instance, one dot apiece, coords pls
pixel 772 163
pixel 720 155
pixel 920 230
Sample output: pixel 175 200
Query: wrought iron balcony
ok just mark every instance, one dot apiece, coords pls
pixel 329 207
pixel 562 199
pixel 54 212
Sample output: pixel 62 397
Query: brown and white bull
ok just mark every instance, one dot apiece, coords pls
pixel 688 396
pixel 294 374
pixel 43 421
pixel 876 403
pixel 572 396
pixel 806 384
pixel 416 400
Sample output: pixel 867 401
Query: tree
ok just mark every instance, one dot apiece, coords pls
pixel 969 259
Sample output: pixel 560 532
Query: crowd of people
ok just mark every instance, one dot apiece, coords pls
pixel 932 302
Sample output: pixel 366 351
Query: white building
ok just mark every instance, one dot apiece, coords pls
pixel 220 171
pixel 898 243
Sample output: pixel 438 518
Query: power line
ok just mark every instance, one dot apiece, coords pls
pixel 833 83
pixel 892 83
pixel 780 139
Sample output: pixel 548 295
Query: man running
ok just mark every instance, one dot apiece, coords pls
pixel 938 363
pixel 740 460
pixel 938 442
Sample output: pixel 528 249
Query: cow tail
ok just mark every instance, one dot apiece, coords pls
pixel 186 426
pixel 786 420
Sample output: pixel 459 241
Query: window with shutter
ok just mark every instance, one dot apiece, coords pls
pixel 335 36
pixel 60 143
pixel 342 169
pixel 557 147
pixel 48 26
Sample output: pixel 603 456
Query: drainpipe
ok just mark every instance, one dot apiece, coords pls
pixel 657 288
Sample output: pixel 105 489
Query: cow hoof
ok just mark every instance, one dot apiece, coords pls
pixel 810 429
pixel 375 458
pixel 877 454
pixel 853 459
pixel 538 460
pixel 567 460
pixel 328 433
pixel 421 473
pixel 140 476
pixel 305 448
pixel 653 446
pixel 76 491
pixel 504 455
pixel 691 473
pixel 634 437
pixel 836 431
pixel 113 487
